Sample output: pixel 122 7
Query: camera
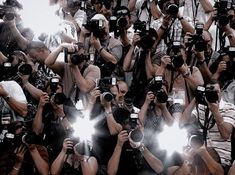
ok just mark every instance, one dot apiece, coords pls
pixel 73 3
pixel 156 87
pixel 53 84
pixel 25 69
pixel 198 41
pixel 32 138
pixel 95 26
pixel 146 35
pixel 83 148
pixel 174 52
pixel 75 58
pixel 211 94
pixel 231 52
pixel 200 95
pixel 222 12
pixel 104 87
pixel 196 140
pixel 58 98
pixel 171 8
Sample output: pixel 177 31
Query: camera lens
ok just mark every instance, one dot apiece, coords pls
pixel 25 69
pixel 107 96
pixel 122 22
pixel 177 61
pixel 196 141
pixel 136 135
pixel 162 97
pixel 172 9
pixel 58 98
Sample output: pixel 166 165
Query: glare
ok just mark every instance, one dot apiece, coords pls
pixel 84 128
pixel 173 139
pixel 39 16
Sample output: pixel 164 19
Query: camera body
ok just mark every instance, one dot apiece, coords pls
pixel 206 94
pixel 156 87
pixel 174 51
pixel 95 26
pixel 222 12
pixel 56 97
pixel 171 8
pixel 75 57
pixel 104 85
pixel 197 39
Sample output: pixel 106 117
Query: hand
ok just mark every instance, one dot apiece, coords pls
pixel 67 144
pixel 188 38
pixel 221 67
pixel 84 31
pixel 214 107
pixel 105 104
pixel 95 42
pixel 122 138
pixel 24 78
pixel 93 95
pixel 165 60
pixel 166 20
pixel 136 39
pixel 149 97
pixel 44 98
pixel 71 47
pixel 20 152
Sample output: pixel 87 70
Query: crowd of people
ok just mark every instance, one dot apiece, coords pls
pixel 128 68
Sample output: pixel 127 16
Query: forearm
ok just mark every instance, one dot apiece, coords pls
pixel 214 167
pixel 3 58
pixel 206 73
pixel 131 5
pixel 230 34
pixel 114 127
pixel 186 26
pixel 107 56
pixel 186 117
pixel 114 161
pixel 58 163
pixel 51 59
pixel 34 92
pixel 167 116
pixel 81 82
pixel 206 5
pixel 143 113
pixel 89 167
pixel 37 121
pixel 150 71
pixel 15 169
pixel 153 161
pixel 41 165
pixel 128 59
pixel 18 107
pixel 208 23
pixel 156 13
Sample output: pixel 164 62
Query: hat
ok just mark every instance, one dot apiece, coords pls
pixel 99 17
pixel 121 11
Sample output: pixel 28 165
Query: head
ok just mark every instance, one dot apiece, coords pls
pixel 170 7
pixel 103 28
pixel 38 51
pixel 119 91
pixel 208 39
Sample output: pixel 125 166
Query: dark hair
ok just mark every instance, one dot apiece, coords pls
pixel 122 8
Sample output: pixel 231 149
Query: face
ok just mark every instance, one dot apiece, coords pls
pixel 208 39
pixel 119 91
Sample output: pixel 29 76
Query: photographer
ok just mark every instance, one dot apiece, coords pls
pixel 141 62
pixel 107 50
pixel 78 78
pixel 82 161
pixel 24 154
pixel 50 119
pixel 172 24
pixel 197 161
pixel 216 118
pixel 130 155
pixel 181 79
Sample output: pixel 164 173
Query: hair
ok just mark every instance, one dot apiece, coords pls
pixel 36 45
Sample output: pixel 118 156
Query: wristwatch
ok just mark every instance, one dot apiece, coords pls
pixel 142 148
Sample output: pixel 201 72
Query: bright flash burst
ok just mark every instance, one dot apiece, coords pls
pixel 84 128
pixel 173 139
pixel 39 16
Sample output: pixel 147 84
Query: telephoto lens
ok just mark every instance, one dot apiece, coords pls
pixel 136 136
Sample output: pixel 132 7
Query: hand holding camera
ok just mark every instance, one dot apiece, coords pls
pixel 93 95
pixel 221 67
pixel 165 60
pixel 95 42
pixel 136 39
pixel 67 145
pixel 122 138
pixel 19 153
pixel 149 97
pixel 43 100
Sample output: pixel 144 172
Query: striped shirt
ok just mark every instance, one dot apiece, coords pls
pixel 214 139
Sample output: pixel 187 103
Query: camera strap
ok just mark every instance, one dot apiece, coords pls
pixel 196 4
pixel 207 120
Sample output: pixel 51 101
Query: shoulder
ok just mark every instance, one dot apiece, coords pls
pixel 114 42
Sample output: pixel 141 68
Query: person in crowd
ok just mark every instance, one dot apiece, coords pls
pixel 78 78
pixel 75 159
pixel 22 155
pixel 107 50
pixel 199 160
pixel 217 132
pixel 130 155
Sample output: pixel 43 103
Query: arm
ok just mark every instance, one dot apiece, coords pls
pixel 155 11
pixel 113 162
pixel 166 114
pixel 185 24
pixel 58 163
pixel 230 34
pixel 214 167
pixel 3 58
pixel 41 164
pixel 225 128
pixel 50 61
pixel 114 127
pixel 18 107
pixel 90 166
pixel 206 5
pixel 37 121
pixel 187 114
pixel 131 5
pixel 143 110
pixel 221 67
pixel 150 71
pixel 152 160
